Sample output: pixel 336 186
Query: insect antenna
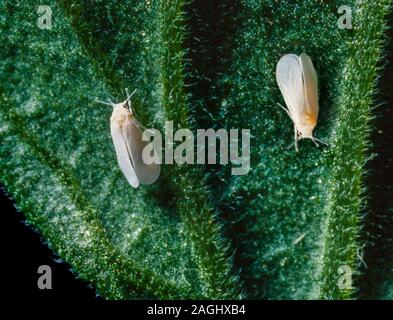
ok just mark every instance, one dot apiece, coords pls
pixel 129 96
pixel 106 103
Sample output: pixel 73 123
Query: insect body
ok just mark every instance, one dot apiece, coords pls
pixel 127 139
pixel 298 83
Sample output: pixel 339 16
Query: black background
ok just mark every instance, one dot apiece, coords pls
pixel 23 252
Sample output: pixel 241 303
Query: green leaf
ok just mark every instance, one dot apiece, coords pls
pixel 282 231
pixel 58 159
pixel 296 217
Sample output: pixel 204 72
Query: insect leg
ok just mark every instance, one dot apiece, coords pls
pixel 316 143
pixel 140 125
pixel 296 138
pixel 286 110
pixel 290 146
pixel 321 141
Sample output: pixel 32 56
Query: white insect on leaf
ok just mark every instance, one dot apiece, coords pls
pixel 127 139
pixel 298 83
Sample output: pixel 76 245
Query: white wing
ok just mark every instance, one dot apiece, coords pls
pixel 310 85
pixel 146 173
pixel 290 81
pixel 123 157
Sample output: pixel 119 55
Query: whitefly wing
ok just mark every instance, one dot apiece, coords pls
pixel 146 173
pixel 310 85
pixel 290 81
pixel 123 156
